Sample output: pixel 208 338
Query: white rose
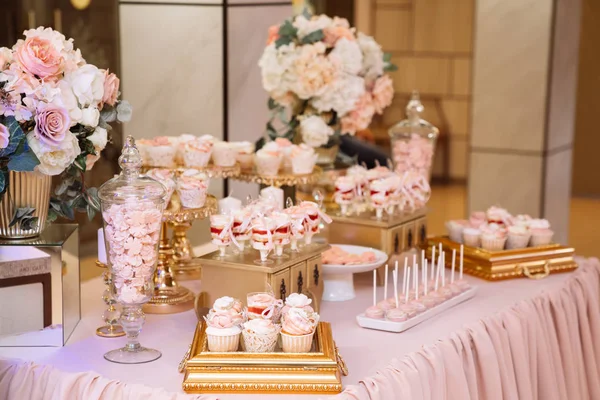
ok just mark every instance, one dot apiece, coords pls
pixel 349 55
pixel 341 96
pixel 87 83
pixel 274 65
pixel 372 57
pixel 90 116
pixel 297 300
pixel 307 26
pixel 99 139
pixel 68 100
pixel 315 132
pixel 54 160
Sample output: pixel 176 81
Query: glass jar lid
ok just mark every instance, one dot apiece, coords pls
pixel 129 185
pixel 414 123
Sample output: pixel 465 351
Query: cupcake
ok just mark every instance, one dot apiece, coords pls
pixel 297 330
pixel 268 160
pixel 518 237
pixel 477 219
pixel 522 220
pixel 244 154
pixel 166 177
pixel 263 305
pixel 179 143
pixel 303 159
pixel 455 229
pixel 224 154
pixel 498 216
pixel 196 153
pixel 471 236
pixel 224 320
pixel 285 148
pixel 160 152
pixel 297 300
pixel 192 191
pixel 493 237
pixel 541 234
pixel 260 335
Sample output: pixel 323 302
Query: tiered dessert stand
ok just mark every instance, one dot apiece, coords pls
pixel 282 179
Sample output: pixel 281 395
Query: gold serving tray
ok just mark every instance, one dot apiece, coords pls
pixel 316 372
pixel 532 262
pixel 281 179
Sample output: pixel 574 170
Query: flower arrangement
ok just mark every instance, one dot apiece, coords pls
pixel 55 111
pixel 324 79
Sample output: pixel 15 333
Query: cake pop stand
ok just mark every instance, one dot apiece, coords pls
pixel 338 280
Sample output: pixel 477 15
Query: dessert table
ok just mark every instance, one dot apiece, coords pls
pixel 515 339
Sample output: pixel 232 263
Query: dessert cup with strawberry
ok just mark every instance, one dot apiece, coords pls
pixel 345 193
pixel 263 229
pixel 220 231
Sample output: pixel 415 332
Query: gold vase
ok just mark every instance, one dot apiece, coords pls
pixel 25 189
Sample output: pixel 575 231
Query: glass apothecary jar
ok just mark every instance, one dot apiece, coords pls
pixel 132 207
pixel 413 140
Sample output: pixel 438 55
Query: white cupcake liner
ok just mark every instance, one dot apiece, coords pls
pixel 302 165
pixel 268 166
pixel 517 241
pixel 160 156
pixel 296 344
pixel 223 343
pixel 196 159
pixel 455 232
pixel 471 240
pixel 224 156
pixel 542 239
pixel 257 343
pixel 492 244
pixel 192 198
pixel 246 161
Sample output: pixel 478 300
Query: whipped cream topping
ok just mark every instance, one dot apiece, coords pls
pixel 260 326
pixel 297 300
pixel 298 321
pixel 189 183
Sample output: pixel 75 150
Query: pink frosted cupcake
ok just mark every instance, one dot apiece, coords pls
pixel 268 160
pixel 303 159
pixel 166 177
pixel 297 330
pixel 493 237
pixel 159 152
pixel 477 219
pixel 196 153
pixel 498 216
pixel 541 234
pixel 471 236
pixel 192 191
pixel 224 320
pixel 518 237
pixel 260 335
pixel 455 229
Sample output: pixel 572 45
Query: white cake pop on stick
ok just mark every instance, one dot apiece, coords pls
pixel 453 265
pixel 396 284
pixel 432 261
pixel 404 276
pixel 374 288
pixel 385 282
pixel 407 286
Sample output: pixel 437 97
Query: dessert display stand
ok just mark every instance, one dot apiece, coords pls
pixel 532 262
pixel 392 326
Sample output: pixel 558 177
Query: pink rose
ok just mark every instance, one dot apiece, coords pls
pixel 111 89
pixel 39 57
pixel 359 118
pixel 383 93
pixel 4 136
pixel 51 125
pixel 273 34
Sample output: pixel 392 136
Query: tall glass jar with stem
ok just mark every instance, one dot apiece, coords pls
pixel 413 141
pixel 132 208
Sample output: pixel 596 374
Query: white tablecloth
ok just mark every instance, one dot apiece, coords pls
pixel 365 351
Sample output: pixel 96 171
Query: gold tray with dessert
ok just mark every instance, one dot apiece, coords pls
pixel 532 262
pixel 315 372
pixel 281 179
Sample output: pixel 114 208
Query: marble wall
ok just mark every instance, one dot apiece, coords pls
pixel 190 66
pixel 525 74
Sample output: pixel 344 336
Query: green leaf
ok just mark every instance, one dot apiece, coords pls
pixel 67 211
pixel 387 57
pixel 91 212
pixel 52 216
pixel 390 67
pixel 2 182
pixel 282 41
pixel 80 162
pixel 64 185
pixel 313 37
pixel 92 198
pixel 26 161
pixel 306 13
pixel 272 104
pixel 288 29
pixel 22 214
pixel 16 135
pixel 29 222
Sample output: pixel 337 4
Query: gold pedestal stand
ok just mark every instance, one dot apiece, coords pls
pixel 281 179
pixel 169 297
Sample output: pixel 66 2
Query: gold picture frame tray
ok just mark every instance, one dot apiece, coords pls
pixel 532 262
pixel 316 372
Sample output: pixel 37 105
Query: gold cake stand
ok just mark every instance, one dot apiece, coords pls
pixel 283 179
pixel 169 297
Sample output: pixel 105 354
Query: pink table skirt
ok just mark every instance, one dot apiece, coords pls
pixel 546 347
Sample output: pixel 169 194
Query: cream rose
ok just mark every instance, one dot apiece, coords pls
pixel 54 159
pixel 90 116
pixel 4 136
pixel 311 72
pixel 87 83
pixel 315 132
pixel 111 89
pixel 347 53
